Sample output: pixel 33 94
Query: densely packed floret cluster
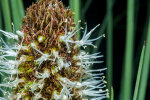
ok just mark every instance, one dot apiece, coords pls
pixel 46 63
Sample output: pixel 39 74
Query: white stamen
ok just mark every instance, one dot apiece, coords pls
pixel 7 50
pixel 43 58
pixel 20 33
pixel 84 41
pixel 9 34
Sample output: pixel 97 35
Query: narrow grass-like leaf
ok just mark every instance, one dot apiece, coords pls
pixel 144 32
pixel 21 8
pixel 76 8
pixel 7 17
pixel 76 5
pixel 109 44
pixel 126 85
pixel 146 65
pixel 112 93
pixel 0 41
pixel 16 14
pixel 0 24
pixel 71 4
pixel 6 13
pixel 0 19
pixel 139 74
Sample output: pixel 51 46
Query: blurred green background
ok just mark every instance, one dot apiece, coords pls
pixel 126 46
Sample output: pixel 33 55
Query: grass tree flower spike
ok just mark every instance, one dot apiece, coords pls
pixel 46 62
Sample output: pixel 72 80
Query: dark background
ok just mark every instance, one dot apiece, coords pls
pixel 96 14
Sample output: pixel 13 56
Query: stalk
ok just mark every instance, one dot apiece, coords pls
pixel 126 86
pixel 6 13
pixel 112 93
pixel 7 16
pixel 76 6
pixel 145 71
pixel 71 4
pixel 16 14
pixel 144 33
pixel 109 44
pixel 21 8
pixel 0 28
pixel 0 21
pixel 139 74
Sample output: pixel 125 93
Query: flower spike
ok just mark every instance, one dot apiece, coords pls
pixel 46 62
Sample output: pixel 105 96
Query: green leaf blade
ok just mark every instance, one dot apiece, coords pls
pixel 139 74
pixel 146 65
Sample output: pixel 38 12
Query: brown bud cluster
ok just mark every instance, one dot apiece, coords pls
pixel 47 19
